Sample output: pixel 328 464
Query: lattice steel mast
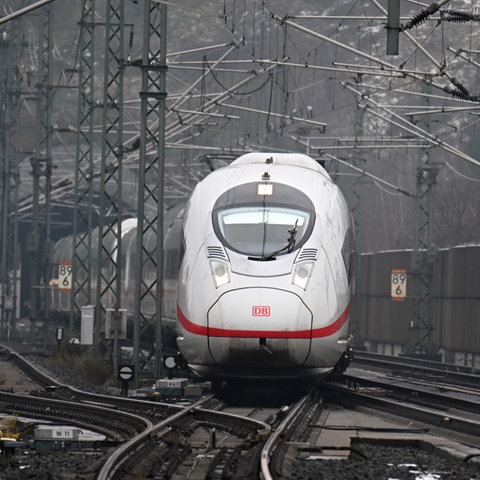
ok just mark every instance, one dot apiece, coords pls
pixel 151 166
pixel 110 239
pixel 84 167
pixel 356 208
pixel 424 255
pixel 39 243
pixel 11 46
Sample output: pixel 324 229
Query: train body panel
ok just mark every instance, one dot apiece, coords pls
pixel 63 252
pixel 264 285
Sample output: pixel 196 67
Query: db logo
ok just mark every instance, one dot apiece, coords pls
pixel 260 311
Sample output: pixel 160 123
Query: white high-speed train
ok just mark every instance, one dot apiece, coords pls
pixel 265 278
pixel 257 272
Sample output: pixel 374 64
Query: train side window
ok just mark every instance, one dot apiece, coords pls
pixel 348 254
pixel 181 250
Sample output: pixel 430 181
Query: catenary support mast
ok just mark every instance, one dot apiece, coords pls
pixel 11 46
pixel 424 255
pixel 150 185
pixel 109 266
pixel 84 167
pixel 39 243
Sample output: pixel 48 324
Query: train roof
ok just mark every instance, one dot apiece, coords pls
pixel 297 159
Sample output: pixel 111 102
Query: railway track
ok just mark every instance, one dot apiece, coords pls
pixel 443 410
pixel 96 417
pixel 276 462
pixel 153 434
pixel 174 441
pixel 199 441
pixel 424 370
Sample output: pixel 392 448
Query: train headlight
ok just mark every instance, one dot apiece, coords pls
pixel 220 272
pixel 301 274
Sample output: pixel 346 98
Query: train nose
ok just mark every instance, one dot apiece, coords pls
pixel 259 327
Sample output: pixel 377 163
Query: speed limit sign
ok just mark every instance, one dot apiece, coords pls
pixel 399 285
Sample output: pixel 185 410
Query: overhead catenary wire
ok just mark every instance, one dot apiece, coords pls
pixel 192 119
pixel 412 128
pixel 24 11
pixel 369 175
pixel 355 51
pixel 460 174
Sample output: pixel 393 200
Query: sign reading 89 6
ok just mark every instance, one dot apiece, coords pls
pixel 65 276
pixel 399 285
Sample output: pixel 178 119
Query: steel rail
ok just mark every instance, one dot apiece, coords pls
pixel 123 453
pixel 437 420
pixel 100 418
pixel 274 439
pixel 457 374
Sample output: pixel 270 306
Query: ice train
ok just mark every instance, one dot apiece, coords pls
pixel 266 269
pixel 60 298
pixel 258 272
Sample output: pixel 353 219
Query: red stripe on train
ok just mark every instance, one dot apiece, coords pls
pixel 294 334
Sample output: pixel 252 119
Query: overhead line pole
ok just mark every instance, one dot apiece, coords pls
pixel 109 248
pixel 425 254
pixel 149 288
pixel 10 102
pixel 82 261
pixel 39 242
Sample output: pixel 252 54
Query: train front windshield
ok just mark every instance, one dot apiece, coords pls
pixel 263 225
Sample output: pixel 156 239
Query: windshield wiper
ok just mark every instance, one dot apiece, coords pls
pixel 288 247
